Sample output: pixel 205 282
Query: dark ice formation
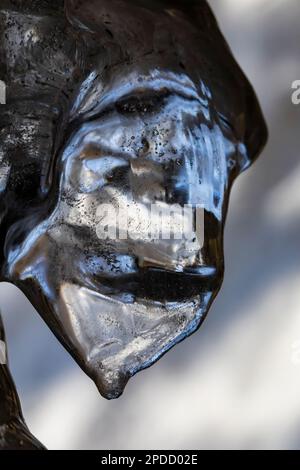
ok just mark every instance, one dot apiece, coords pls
pixel 123 104
pixel 14 433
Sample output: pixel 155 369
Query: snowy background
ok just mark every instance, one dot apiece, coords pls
pixel 236 383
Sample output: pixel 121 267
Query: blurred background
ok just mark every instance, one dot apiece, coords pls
pixel 235 384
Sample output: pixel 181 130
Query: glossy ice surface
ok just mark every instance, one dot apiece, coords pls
pixel 128 103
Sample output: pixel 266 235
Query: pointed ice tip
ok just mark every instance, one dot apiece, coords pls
pixel 111 385
pixel 110 394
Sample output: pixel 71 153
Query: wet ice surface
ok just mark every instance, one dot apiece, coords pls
pixel 243 365
pixel 150 111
